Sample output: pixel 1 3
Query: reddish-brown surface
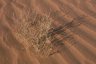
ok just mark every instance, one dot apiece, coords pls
pixel 79 47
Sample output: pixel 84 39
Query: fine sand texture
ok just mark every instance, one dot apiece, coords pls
pixel 47 31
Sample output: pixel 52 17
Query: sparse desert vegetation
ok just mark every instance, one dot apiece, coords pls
pixel 47 32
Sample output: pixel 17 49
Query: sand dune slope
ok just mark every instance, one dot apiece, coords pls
pixel 64 29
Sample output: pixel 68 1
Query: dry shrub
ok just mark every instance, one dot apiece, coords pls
pixel 32 29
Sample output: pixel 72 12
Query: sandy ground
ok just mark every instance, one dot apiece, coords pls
pixel 79 47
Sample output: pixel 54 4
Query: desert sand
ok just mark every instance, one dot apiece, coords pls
pixel 47 31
